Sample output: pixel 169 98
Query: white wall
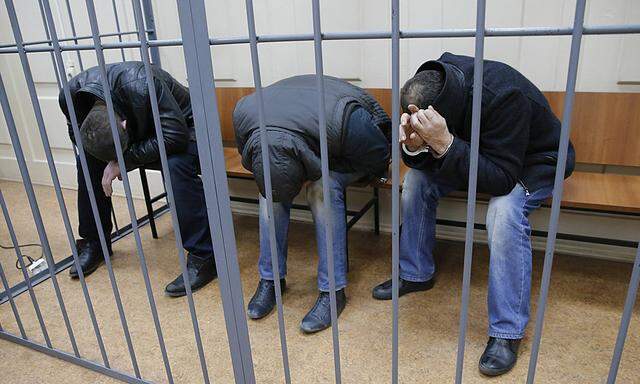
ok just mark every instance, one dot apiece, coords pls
pixel 605 62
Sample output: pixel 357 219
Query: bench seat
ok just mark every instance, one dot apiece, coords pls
pixel 583 190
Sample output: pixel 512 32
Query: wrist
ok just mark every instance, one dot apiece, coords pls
pixel 442 143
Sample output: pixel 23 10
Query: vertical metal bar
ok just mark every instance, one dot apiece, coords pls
pixel 478 66
pixel 117 20
pixel 26 69
pixel 90 191
pixel 626 319
pixel 206 117
pixel 574 56
pixel 266 165
pixel 7 289
pixel 149 25
pixel 395 184
pixel 106 89
pixel 144 54
pixel 73 32
pixel 326 191
pixel 33 203
pixel 46 31
pixel 23 269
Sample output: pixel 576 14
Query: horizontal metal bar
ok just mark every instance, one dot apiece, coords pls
pixel 67 262
pixel 358 215
pixel 563 236
pixel 280 38
pixel 158 197
pixel 72 359
pixel 85 37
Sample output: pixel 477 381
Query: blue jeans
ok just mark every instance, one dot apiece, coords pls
pixel 281 211
pixel 509 246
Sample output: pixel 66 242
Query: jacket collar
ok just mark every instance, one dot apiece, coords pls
pixel 452 100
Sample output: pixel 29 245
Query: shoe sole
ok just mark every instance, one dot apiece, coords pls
pixel 87 272
pixel 495 372
pixel 385 298
pixel 193 289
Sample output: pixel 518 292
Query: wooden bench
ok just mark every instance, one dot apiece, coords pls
pixel 605 133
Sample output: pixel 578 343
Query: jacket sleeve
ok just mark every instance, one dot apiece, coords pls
pixel 504 137
pixel 174 130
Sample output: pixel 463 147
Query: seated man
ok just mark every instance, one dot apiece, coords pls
pixel 130 95
pixel 358 144
pixel 519 139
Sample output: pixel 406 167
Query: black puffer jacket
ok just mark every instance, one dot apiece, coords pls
pixel 519 134
pixel 358 145
pixel 130 96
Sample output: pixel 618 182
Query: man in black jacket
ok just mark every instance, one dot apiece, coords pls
pixel 130 95
pixel 519 137
pixel 358 146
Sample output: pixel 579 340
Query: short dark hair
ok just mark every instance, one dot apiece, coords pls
pixel 422 89
pixel 96 136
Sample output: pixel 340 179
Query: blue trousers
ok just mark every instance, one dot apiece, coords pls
pixel 509 246
pixel 281 212
pixel 189 197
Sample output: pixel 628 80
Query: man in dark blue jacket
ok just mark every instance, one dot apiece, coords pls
pixel 358 145
pixel 519 139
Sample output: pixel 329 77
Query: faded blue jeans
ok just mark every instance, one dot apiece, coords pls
pixel 281 211
pixel 509 246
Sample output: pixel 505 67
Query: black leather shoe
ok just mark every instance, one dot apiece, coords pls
pixel 200 274
pixel 383 291
pixel 90 257
pixel 264 299
pixel 319 317
pixel 499 356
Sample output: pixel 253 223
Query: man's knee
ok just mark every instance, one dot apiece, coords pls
pixel 181 165
pixel 418 185
pixel 505 213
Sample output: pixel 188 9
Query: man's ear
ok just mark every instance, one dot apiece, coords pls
pixel 124 124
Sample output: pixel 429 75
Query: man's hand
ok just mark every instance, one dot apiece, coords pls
pixel 431 127
pixel 111 171
pixel 408 135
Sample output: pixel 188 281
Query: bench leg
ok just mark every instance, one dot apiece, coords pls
pixel 147 201
pixel 376 211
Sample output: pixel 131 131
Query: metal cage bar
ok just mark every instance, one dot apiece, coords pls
pixel 395 188
pixel 574 55
pixel 478 75
pixel 72 24
pixel 326 191
pixel 87 179
pixel 23 268
pixel 266 165
pixel 106 89
pixel 144 53
pixel 197 54
pixel 14 308
pixel 625 320
pixel 117 20
pixel 26 69
pixel 35 210
pixel 199 67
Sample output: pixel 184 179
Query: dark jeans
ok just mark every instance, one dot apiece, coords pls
pixel 189 199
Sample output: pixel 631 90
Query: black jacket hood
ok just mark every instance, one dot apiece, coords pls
pixel 451 102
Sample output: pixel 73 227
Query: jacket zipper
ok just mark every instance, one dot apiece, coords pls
pixel 526 190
